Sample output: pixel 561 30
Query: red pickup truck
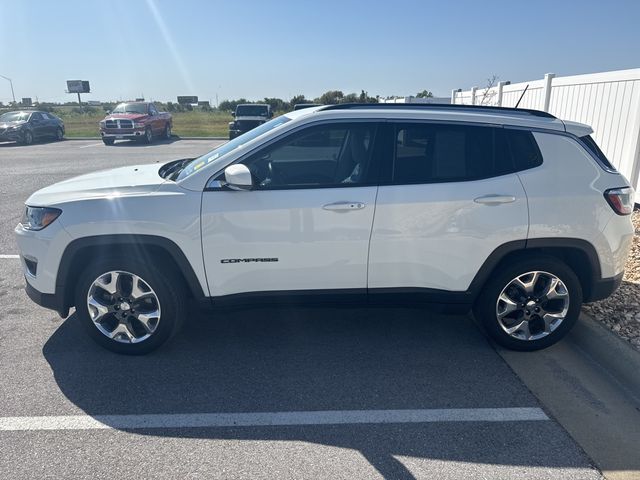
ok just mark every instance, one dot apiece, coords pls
pixel 135 121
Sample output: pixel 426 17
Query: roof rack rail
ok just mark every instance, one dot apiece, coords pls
pixel 438 106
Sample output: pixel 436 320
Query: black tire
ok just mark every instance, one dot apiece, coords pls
pixel 486 304
pixel 148 136
pixel 171 295
pixel 27 137
pixel 167 131
pixel 59 134
pixel 108 141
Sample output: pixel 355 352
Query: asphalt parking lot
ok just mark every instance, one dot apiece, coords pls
pixel 276 392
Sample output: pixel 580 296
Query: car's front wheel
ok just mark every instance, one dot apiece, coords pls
pixel 59 134
pixel 27 137
pixel 108 141
pixel 128 306
pixel 148 135
pixel 530 304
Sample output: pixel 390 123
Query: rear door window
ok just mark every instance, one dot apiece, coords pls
pixel 428 153
pixel 523 148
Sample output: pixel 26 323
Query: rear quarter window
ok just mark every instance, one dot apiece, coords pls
pixel 593 148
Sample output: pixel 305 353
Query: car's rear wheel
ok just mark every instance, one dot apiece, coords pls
pixel 128 306
pixel 27 137
pixel 530 304
pixel 167 131
pixel 108 141
pixel 59 134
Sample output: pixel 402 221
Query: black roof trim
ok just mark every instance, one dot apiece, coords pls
pixel 438 106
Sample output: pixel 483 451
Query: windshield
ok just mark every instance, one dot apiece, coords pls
pixel 197 163
pixel 131 108
pixel 13 116
pixel 251 111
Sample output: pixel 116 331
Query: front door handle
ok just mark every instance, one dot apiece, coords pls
pixel 343 206
pixel 495 199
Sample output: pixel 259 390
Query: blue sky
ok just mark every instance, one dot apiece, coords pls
pixel 253 49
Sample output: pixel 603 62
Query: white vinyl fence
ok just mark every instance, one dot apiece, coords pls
pixel 608 101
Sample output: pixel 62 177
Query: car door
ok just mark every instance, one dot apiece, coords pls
pixel 49 125
pixel 449 196
pixel 306 223
pixel 156 121
pixel 38 125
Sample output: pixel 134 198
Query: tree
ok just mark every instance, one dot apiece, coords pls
pixel 297 99
pixel 365 98
pixel 488 92
pixel 350 98
pixel 424 94
pixel 277 104
pixel 230 105
pixel 330 98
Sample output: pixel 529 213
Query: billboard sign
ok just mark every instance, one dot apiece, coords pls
pixel 188 100
pixel 26 101
pixel 78 86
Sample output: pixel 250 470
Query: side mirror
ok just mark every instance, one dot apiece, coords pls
pixel 238 177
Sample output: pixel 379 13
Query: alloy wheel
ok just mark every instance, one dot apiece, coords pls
pixel 532 305
pixel 123 307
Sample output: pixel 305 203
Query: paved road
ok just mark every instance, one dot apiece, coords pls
pixel 377 362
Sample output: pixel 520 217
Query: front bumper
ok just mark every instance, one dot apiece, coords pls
pixel 51 301
pixel 11 136
pixel 123 135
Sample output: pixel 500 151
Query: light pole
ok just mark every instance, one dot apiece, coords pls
pixel 11 83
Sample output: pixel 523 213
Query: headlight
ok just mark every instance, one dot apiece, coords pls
pixel 138 125
pixel 37 218
pixel 16 127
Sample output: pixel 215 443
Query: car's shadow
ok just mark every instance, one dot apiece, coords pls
pixel 138 143
pixel 39 141
pixel 278 359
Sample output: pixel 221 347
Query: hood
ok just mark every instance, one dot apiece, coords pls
pixel 12 124
pixel 128 116
pixel 118 182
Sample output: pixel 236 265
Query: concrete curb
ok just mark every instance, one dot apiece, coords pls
pixel 176 137
pixel 615 355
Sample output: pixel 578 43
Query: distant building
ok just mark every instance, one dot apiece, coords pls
pixel 411 99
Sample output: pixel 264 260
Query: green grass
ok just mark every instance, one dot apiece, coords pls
pixel 185 124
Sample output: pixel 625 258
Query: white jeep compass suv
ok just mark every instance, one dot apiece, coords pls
pixel 512 213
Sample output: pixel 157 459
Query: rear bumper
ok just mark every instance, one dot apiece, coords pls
pixel 604 287
pixel 47 300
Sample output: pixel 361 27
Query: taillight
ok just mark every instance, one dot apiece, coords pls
pixel 620 199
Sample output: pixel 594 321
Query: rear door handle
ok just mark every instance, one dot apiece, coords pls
pixel 343 206
pixel 495 199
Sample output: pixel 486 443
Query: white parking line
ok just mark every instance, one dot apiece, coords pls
pixel 92 145
pixel 265 419
pixel 9 256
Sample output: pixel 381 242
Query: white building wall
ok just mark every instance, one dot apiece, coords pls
pixel 609 102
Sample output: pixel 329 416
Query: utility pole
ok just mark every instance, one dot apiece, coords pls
pixel 11 83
